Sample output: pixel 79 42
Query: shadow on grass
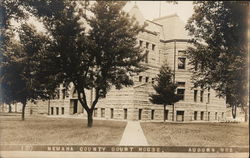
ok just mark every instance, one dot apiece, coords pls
pixel 48 130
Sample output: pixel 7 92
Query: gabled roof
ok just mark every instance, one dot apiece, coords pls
pixel 169 27
pixel 135 12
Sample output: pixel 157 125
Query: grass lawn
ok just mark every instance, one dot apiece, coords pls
pixel 60 131
pixel 196 134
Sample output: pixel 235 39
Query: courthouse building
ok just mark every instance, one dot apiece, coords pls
pixel 164 41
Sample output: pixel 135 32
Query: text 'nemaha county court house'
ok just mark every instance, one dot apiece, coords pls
pixel 164 40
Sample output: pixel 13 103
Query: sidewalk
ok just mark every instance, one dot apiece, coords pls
pixel 133 135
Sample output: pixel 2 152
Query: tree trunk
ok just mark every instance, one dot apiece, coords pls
pixel 10 110
pixel 90 119
pixel 245 109
pixel 234 107
pixel 23 111
pixel 49 107
pixel 164 113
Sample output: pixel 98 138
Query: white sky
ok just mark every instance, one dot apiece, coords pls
pixel 150 9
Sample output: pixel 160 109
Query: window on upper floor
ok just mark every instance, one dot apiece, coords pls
pixel 181 84
pixel 147 45
pixel 141 43
pixel 146 56
pixel 140 78
pixel 146 79
pixel 181 52
pixel 181 63
pixel 195 95
pixel 208 98
pixel 201 96
pixel 153 47
pixel 181 93
pixel 153 80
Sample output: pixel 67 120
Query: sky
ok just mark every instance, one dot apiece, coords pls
pixel 150 9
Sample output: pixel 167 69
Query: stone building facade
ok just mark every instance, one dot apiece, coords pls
pixel 164 41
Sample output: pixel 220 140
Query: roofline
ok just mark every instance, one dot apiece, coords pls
pixel 175 40
pixel 168 16
pixel 154 22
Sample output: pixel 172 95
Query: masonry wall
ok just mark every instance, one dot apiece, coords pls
pixel 132 103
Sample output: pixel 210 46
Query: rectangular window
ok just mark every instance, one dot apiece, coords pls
pixel 111 113
pixel 152 114
pixel 181 84
pixel 52 111
pixel 201 97
pixel 153 47
pixel 195 95
pixel 62 110
pixel 141 42
pixel 208 98
pixel 215 116
pixel 57 110
pixel 202 115
pixel 102 112
pixel 181 63
pixel 95 112
pixel 125 114
pixel 195 115
pixel 146 56
pixel 179 115
pixel 166 114
pixel 140 78
pixel 147 44
pixel 153 80
pixel 146 79
pixel 222 115
pixel 181 52
pixel 208 116
pixel 140 113
pixel 181 93
pixel 63 93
